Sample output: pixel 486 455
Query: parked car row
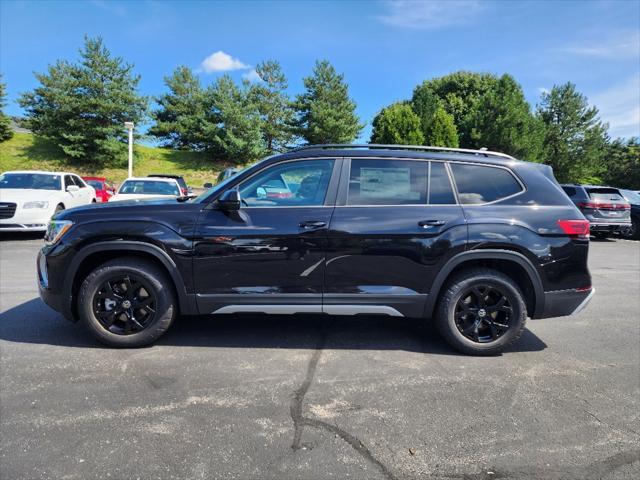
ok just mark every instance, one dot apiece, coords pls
pixel 609 210
pixel 28 199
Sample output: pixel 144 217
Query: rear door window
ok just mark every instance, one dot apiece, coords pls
pixel 479 184
pixel 388 182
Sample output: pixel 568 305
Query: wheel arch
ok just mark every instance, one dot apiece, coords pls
pixel 514 264
pixel 91 256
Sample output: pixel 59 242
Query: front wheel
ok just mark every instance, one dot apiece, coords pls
pixel 127 302
pixel 481 312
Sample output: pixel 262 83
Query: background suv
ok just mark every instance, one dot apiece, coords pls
pixel 476 240
pixel 606 209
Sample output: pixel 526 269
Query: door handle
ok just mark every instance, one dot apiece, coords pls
pixel 431 223
pixel 312 224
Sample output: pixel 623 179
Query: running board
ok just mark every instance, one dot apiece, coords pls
pixel 328 309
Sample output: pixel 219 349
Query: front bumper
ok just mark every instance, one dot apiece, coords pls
pixel 26 220
pixel 57 300
pixel 562 303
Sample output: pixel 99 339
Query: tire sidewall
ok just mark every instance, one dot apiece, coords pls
pixel 164 301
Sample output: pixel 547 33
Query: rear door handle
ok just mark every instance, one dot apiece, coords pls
pixel 431 223
pixel 312 224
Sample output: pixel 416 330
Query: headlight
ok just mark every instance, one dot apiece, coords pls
pixel 36 205
pixel 56 229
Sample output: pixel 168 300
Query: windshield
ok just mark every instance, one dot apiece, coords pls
pixel 36 181
pixel 149 187
pixel 97 184
pixel 631 196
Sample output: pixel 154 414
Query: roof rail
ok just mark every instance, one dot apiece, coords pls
pixel 377 146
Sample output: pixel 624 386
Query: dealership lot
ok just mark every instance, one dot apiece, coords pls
pixel 315 397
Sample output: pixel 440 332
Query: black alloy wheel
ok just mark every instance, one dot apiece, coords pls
pixel 125 304
pixel 483 313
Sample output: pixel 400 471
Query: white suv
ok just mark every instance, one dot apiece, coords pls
pixel 28 199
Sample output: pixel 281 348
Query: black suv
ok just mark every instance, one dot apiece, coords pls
pixel 476 240
pixel 605 208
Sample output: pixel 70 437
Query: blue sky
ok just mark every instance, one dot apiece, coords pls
pixel 384 48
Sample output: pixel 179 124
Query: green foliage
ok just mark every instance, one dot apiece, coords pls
pixel 441 131
pixel 503 122
pixel 181 121
pixel 5 122
pixel 622 163
pixel 235 133
pixel 575 139
pixel 83 106
pixel 397 124
pixel 326 114
pixel 277 115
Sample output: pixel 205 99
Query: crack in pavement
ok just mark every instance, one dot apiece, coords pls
pixel 300 421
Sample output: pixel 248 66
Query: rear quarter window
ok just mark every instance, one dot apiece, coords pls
pixel 571 191
pixel 479 184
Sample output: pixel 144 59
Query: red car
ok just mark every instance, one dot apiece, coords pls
pixel 104 190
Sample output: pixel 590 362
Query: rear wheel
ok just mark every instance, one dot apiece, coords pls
pixel 127 302
pixel 481 312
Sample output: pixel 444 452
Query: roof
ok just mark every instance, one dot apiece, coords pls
pixel 40 172
pixel 94 178
pixel 151 179
pixel 164 175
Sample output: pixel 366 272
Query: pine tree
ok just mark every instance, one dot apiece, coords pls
pixel 5 122
pixel 182 119
pixel 83 106
pixel 326 114
pixel 397 124
pixel 276 111
pixel 575 138
pixel 235 133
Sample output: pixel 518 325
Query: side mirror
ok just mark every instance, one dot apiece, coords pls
pixel 73 188
pixel 207 185
pixel 230 200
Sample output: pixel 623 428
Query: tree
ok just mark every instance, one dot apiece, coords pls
pixel 182 119
pixel 277 115
pixel 397 124
pixel 235 133
pixel 5 122
pixel 460 94
pixel 502 121
pixel 441 130
pixel 326 114
pixel 575 138
pixel 425 103
pixel 83 106
pixel 622 163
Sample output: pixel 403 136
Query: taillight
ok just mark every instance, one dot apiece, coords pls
pixel 575 228
pixel 605 206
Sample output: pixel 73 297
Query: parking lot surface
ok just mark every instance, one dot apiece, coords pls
pixel 321 397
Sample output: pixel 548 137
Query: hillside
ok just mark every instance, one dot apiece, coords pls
pixel 28 152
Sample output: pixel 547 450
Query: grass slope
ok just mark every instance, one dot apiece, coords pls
pixel 28 152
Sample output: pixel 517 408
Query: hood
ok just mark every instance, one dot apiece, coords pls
pixel 119 197
pixel 19 195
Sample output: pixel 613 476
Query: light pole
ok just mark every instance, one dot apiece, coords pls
pixel 129 125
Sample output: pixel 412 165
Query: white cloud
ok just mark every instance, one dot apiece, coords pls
pixel 221 62
pixel 252 76
pixel 620 45
pixel 429 14
pixel 619 105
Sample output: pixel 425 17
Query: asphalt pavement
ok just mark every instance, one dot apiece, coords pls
pixel 321 397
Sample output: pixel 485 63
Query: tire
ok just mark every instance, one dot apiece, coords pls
pixel 127 315
pixel 635 229
pixel 600 235
pixel 456 312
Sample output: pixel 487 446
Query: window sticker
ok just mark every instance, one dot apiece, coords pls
pixel 386 183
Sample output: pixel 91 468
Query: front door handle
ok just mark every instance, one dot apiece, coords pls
pixel 431 223
pixel 312 224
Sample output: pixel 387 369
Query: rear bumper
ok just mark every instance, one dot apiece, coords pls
pixel 562 303
pixel 608 226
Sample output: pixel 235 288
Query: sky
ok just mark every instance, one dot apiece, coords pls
pixel 383 48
